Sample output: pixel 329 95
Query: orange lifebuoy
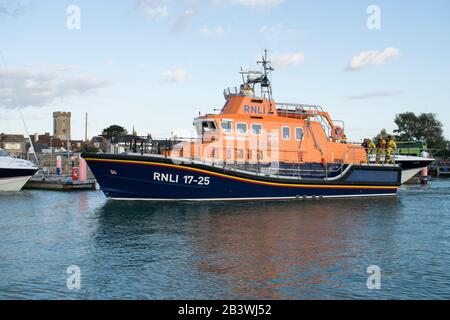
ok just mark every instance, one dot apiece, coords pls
pixel 338 134
pixel 75 174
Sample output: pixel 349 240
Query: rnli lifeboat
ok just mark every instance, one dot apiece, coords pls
pixel 253 149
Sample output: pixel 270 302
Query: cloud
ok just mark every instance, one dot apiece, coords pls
pixel 377 94
pixel 179 12
pixel 182 20
pixel 13 8
pixel 279 32
pixel 367 58
pixel 39 87
pixel 287 59
pixel 265 4
pixel 218 31
pixel 155 8
pixel 144 66
pixel 175 76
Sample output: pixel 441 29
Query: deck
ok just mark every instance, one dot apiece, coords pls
pixel 60 183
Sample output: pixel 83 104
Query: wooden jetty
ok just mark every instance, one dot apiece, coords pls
pixel 441 168
pixel 59 183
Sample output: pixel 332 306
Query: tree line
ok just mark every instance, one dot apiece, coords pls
pixel 424 127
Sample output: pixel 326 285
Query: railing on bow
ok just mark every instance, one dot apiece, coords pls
pixel 235 91
pixel 254 161
pixel 286 109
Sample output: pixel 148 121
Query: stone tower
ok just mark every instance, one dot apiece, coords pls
pixel 61 125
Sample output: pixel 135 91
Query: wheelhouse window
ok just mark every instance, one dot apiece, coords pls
pixel 205 126
pixel 257 129
pixel 227 126
pixel 209 126
pixel 299 134
pixel 241 128
pixel 260 155
pixel 3 153
pixel 286 133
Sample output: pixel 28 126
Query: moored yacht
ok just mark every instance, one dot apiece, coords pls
pixel 253 149
pixel 14 172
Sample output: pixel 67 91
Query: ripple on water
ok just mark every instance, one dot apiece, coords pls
pixel 284 250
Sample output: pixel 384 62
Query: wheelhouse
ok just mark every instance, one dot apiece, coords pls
pixel 251 127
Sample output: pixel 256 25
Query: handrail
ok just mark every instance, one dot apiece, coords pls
pixel 298 107
pixel 251 155
pixel 381 158
pixel 326 174
pixel 316 144
pixel 235 91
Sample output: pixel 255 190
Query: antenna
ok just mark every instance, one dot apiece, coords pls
pixel 86 129
pixel 260 78
pixel 266 88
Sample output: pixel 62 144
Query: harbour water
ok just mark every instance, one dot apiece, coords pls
pixel 317 249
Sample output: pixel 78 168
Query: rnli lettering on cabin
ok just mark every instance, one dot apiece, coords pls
pixel 255 109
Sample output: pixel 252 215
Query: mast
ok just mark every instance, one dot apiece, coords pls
pixel 266 88
pixel 86 129
pixel 260 78
pixel 28 135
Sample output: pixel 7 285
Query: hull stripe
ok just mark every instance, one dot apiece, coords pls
pixel 243 179
pixel 264 199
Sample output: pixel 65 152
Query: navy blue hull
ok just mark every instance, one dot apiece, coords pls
pixel 15 173
pixel 146 178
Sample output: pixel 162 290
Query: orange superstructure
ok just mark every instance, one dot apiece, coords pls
pixel 252 129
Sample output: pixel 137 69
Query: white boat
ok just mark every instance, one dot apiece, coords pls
pixel 14 172
pixel 410 165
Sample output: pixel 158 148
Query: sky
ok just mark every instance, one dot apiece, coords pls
pixel 155 64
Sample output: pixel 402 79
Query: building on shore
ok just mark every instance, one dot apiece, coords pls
pixel 62 125
pixel 14 144
pixel 44 143
pixel 48 144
